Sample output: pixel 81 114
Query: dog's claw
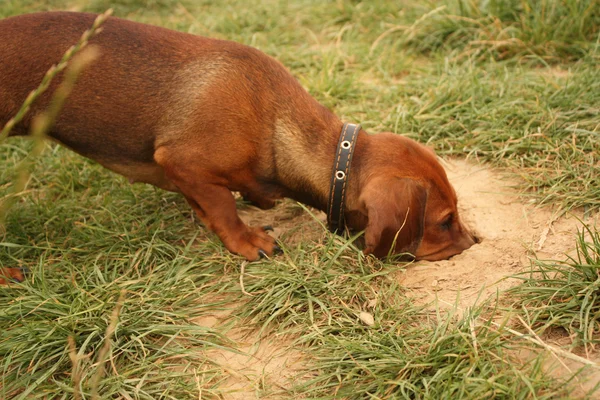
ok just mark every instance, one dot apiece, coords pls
pixel 262 254
pixel 268 228
pixel 277 250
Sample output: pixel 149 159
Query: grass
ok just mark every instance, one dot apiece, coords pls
pixel 84 247
pixel 543 30
pixel 565 294
pixel 543 125
pixel 408 352
pixel 512 83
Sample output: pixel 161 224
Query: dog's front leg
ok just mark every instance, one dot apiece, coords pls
pixel 216 207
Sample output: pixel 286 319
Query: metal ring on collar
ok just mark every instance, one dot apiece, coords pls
pixel 340 175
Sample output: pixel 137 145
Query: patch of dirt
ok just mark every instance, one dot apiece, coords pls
pixel 512 232
pixel 264 368
pixel 256 368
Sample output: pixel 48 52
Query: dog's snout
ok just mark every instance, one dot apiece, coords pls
pixel 470 235
pixel 473 235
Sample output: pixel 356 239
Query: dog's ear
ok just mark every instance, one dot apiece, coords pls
pixel 395 208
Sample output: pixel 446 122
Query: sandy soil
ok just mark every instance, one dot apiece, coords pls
pixel 259 369
pixel 511 230
pixel 512 233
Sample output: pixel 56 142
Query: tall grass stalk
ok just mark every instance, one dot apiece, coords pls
pixel 53 71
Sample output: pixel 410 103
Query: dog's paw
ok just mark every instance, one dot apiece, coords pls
pixel 254 244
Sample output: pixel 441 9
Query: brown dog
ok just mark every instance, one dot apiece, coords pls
pixel 206 117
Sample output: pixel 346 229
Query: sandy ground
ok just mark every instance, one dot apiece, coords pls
pixel 512 233
pixel 260 369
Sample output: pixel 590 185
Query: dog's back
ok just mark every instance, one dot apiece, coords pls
pixel 146 80
pixel 100 120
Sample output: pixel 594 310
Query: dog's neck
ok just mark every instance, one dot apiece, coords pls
pixel 310 149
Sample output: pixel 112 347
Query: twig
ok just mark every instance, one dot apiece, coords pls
pixel 538 341
pixel 544 234
pixel 42 123
pixel 242 272
pixel 110 330
pixel 75 373
pixel 53 71
pixel 474 337
pixel 546 346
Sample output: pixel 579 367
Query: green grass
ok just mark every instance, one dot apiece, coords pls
pixel 565 295
pixel 544 126
pixel 543 30
pixel 409 352
pixel 513 83
pixel 83 245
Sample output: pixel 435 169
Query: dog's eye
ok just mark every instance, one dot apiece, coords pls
pixel 447 223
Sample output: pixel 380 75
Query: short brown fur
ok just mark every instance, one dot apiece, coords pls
pixel 206 117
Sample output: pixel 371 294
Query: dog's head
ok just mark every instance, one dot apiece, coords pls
pixel 406 203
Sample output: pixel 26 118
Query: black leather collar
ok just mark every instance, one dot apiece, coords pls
pixel 339 177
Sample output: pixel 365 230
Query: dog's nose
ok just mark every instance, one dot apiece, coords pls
pixel 469 238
